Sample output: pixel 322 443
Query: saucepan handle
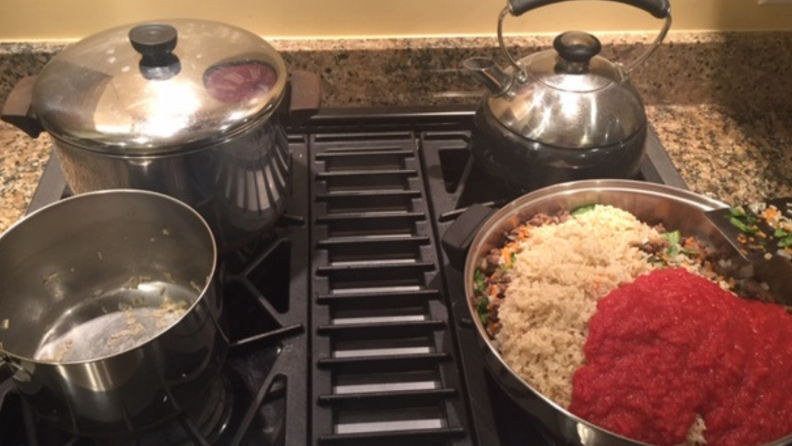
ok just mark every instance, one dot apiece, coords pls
pixel 18 372
pixel 658 8
pixel 6 387
pixel 18 110
pixel 459 236
pixel 304 96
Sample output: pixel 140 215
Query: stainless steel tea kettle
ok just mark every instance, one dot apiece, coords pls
pixel 563 114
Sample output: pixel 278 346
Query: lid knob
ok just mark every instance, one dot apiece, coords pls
pixel 576 49
pixel 153 39
pixel 156 42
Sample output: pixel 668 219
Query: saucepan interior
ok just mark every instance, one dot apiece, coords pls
pixel 99 274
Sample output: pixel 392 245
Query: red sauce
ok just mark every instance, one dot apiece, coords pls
pixel 673 344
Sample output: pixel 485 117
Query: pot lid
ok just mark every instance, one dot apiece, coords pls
pixel 159 87
pixel 571 97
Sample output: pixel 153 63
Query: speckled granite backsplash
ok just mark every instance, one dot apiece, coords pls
pixel 721 103
pixel 689 68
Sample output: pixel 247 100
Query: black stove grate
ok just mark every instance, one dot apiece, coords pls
pixel 346 318
pixel 385 364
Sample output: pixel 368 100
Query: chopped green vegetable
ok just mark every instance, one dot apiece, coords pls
pixel 786 241
pixel 657 261
pixel 737 211
pixel 482 305
pixel 689 252
pixel 482 310
pixel 673 242
pixel 780 233
pixel 478 278
pixel 742 226
pixel 582 209
pixel 513 258
pixel 672 237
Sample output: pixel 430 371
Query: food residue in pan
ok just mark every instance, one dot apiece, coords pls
pixel 195 286
pixel 49 278
pixel 132 322
pixel 134 282
pixel 764 228
pixel 170 310
pixel 139 319
pixel 64 348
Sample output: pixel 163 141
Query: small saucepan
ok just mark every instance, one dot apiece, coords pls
pixel 110 317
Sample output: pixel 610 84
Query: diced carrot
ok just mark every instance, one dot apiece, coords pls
pixel 770 214
pixel 506 253
pixel 494 290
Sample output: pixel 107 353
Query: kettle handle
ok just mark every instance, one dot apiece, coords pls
pixel 660 9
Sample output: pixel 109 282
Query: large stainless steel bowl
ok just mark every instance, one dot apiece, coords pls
pixel 651 203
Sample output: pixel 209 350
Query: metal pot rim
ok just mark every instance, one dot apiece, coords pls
pixel 66 201
pixel 495 224
pixel 98 147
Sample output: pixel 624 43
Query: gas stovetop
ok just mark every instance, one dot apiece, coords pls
pixel 342 318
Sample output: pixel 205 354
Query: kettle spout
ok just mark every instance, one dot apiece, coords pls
pixel 489 74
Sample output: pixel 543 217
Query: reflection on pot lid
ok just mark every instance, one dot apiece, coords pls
pixel 157 88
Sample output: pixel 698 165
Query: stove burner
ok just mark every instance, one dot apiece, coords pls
pixel 213 414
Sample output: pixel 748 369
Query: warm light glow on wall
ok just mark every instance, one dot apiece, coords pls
pixel 25 20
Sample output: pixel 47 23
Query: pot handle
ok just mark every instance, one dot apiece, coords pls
pixel 660 9
pixel 304 96
pixel 18 110
pixel 17 371
pixel 459 236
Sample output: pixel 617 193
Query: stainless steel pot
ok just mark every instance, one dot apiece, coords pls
pixel 188 108
pixel 651 203
pixel 111 321
pixel 564 114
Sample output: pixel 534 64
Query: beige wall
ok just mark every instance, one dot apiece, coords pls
pixel 25 20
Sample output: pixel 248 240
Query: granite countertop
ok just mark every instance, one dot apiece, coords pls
pixel 721 103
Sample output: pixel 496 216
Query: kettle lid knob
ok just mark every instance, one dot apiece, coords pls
pixel 576 48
